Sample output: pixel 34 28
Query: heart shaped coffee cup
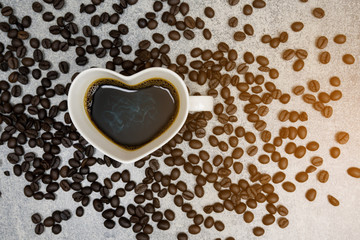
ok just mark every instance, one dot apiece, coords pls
pixel 80 116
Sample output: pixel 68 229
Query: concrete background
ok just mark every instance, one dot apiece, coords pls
pixel 315 220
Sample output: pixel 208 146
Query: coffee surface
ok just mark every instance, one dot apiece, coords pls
pixel 132 116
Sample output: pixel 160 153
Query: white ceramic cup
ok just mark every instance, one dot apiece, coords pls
pixel 84 125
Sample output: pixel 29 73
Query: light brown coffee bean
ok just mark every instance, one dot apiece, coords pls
pixel 238 167
pixel 324 57
pixel 324 97
pixel 282 210
pixel 269 148
pixel 327 111
pixel 314 85
pixel 265 136
pixel 268 219
pixel 250 137
pixel 342 137
pixel 334 152
pixel 237 153
pixel 316 161
pixel 322 42
pixel 284 115
pixel 298 65
pixel 300 152
pixel 289 186
pixel 318 12
pixel 309 98
pixel 297 26
pixel 239 36
pixel 335 81
pixel 264 159
pixel 195 144
pixel 301 177
pixel 288 54
pixel 266 38
pixel 348 59
pixel 283 163
pixel 323 176
pixel 354 172
pixel 278 177
pixel 310 169
pixel 333 201
pixel 258 231
pixel 335 95
pixel 290 148
pixel 284 36
pixel 248 217
pixel 252 150
pixel 275 42
pixel 340 39
pixel 298 90
pixel 310 194
pixel 301 53
pixel 283 222
pixel 312 146
pixel 302 132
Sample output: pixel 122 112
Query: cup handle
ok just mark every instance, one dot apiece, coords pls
pixel 201 103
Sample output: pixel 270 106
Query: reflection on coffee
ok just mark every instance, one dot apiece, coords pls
pixel 132 116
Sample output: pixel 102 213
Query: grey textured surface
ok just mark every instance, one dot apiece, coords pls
pixel 315 220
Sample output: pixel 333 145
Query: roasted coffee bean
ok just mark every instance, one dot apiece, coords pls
pixel 354 172
pixel 324 57
pixel 283 222
pixel 334 152
pixel 233 22
pixel 318 12
pixel 333 201
pixel 297 26
pixel 348 59
pixel 248 29
pixel 312 146
pixel 301 177
pixel 219 225
pixel 36 218
pixel 289 186
pixel 342 137
pixel 298 65
pixel 310 194
pixel 288 54
pixel 258 231
pixel 39 228
pixel 209 12
pixel 340 39
pixel 239 36
pixel 323 176
pixel 248 217
pixel 247 10
pixel 322 42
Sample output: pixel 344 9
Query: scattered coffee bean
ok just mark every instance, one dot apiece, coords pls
pixel 354 172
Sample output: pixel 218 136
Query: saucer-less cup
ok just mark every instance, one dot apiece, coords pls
pixel 84 125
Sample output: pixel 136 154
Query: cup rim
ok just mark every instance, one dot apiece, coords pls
pixel 84 126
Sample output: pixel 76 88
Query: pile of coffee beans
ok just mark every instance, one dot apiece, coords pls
pixel 37 131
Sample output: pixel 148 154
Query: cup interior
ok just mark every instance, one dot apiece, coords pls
pixel 77 110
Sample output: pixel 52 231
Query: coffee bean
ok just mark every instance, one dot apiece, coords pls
pixel 340 39
pixel 342 137
pixel 37 7
pixel 209 12
pixel 239 36
pixel 335 81
pixel 283 222
pixel 288 54
pixel 36 218
pixel 297 26
pixel 219 225
pixel 334 152
pixel 322 42
pixel 39 228
pixel 247 10
pixel 163 225
pixel 301 177
pixel 324 57
pixel 318 12
pixel 233 22
pixel 354 172
pixel 248 29
pixel 298 65
pixel 289 186
pixel 258 231
pixel 348 59
pixel 323 176
pixel 278 177
pixel 310 194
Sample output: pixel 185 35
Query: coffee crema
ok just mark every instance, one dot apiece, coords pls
pixel 132 115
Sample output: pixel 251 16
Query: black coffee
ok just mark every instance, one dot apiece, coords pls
pixel 132 116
